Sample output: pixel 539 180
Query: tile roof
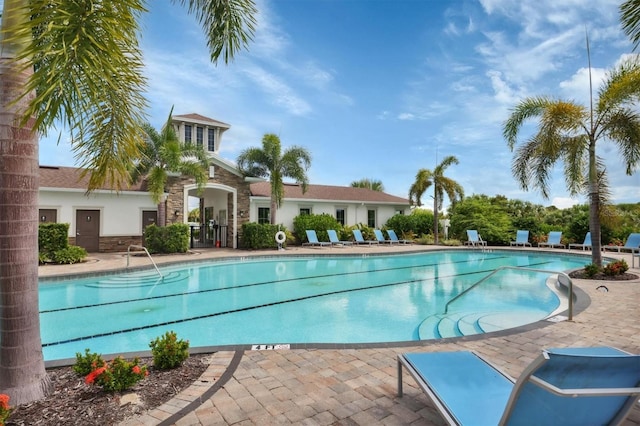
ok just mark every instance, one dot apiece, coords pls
pixel 69 178
pixel 329 193
pixel 199 118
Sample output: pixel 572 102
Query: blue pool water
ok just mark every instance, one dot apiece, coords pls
pixel 342 299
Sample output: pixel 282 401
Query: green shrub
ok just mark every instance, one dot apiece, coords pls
pixel 318 222
pixel 69 255
pixel 425 239
pixel 53 244
pixel 167 239
pixel 591 270
pixel 118 375
pixel 169 352
pixel 257 236
pixel 53 236
pixel 618 267
pixel 86 363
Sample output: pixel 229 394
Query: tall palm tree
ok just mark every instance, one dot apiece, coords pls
pixel 630 19
pixel 373 184
pixel 269 161
pixel 569 132
pixel 77 63
pixel 426 178
pixel 162 154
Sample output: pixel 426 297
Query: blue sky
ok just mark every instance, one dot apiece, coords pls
pixel 381 88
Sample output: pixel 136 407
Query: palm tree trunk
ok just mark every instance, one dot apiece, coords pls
pixel 594 206
pixel 22 373
pixel 272 212
pixel 435 217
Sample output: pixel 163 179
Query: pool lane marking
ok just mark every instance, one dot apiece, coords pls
pixel 210 290
pixel 248 308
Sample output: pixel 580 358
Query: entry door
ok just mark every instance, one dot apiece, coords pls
pixel 149 217
pixel 88 229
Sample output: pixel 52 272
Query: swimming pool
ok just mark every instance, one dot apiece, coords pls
pixel 308 300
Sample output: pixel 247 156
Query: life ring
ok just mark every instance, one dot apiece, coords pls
pixel 281 237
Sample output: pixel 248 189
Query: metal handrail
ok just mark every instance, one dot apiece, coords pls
pixel 561 277
pixel 146 251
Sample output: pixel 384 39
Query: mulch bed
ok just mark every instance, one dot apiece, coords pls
pixel 72 402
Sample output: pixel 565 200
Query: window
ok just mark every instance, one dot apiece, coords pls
pixel 305 211
pixel 400 212
pixel 211 140
pixel 264 215
pixel 340 216
pixel 199 135
pixel 187 133
pixel 371 218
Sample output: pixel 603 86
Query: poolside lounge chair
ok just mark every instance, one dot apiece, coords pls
pixel 335 241
pixel 585 245
pixel 357 234
pixel 568 386
pixel 522 238
pixel 313 239
pixel 474 239
pixel 553 240
pixel 381 239
pixel 632 244
pixel 394 237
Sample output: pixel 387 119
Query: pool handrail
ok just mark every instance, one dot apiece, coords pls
pixel 563 279
pixel 149 255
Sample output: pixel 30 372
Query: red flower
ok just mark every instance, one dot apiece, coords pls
pixel 4 401
pixel 136 369
pixel 91 377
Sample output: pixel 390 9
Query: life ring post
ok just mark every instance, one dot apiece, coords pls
pixel 281 237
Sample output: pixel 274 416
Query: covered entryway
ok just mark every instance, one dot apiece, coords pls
pixel 216 226
pixel 88 229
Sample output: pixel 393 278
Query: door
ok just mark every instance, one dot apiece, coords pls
pixel 48 215
pixel 149 217
pixel 88 229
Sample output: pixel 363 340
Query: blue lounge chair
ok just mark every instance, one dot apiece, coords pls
pixel 522 238
pixel 474 239
pixel 585 245
pixel 335 241
pixel 313 239
pixel 553 240
pixel 357 234
pixel 569 386
pixel 394 237
pixel 381 239
pixel 632 244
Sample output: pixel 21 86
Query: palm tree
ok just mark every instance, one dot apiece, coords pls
pixel 163 154
pixel 372 184
pixel 425 178
pixel 630 18
pixel 568 132
pixel 77 63
pixel 269 161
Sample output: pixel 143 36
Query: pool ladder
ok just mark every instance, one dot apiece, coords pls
pixel 148 255
pixel 563 279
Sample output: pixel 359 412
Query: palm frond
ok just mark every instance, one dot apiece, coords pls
pixel 630 18
pixel 228 24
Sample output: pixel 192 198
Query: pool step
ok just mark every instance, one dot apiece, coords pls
pixel 140 280
pixel 458 324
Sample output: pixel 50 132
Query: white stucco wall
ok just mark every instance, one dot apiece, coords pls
pixel 355 212
pixel 120 214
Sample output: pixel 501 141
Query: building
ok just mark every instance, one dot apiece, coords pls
pixel 107 221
